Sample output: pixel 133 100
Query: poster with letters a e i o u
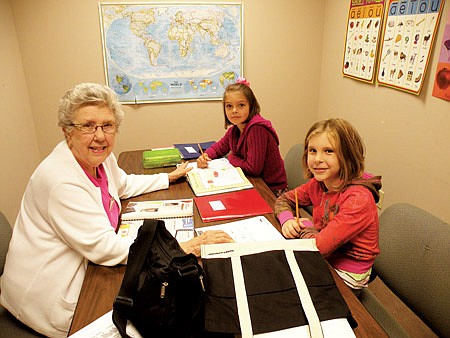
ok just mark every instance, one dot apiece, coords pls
pixel 364 22
pixel 441 88
pixel 409 32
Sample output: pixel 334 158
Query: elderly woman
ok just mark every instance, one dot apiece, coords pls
pixel 69 213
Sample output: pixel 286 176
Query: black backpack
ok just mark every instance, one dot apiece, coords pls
pixel 162 291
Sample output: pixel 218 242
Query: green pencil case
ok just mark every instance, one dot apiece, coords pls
pixel 157 158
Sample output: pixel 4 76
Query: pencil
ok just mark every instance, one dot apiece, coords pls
pixel 200 149
pixel 296 205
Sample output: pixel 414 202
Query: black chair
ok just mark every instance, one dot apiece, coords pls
pixel 10 326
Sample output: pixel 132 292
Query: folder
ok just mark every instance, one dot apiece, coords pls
pixel 231 205
pixel 190 151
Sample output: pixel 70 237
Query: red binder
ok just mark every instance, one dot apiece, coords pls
pixel 230 205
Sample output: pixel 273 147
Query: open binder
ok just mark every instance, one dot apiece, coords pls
pixel 219 177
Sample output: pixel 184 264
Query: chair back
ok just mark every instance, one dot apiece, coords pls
pixel 415 262
pixel 5 237
pixel 293 166
pixel 10 326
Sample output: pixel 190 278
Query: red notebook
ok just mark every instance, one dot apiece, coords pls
pixel 230 205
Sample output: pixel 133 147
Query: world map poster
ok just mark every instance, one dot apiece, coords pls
pixel 166 52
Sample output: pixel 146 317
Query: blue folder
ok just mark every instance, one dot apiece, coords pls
pixel 190 151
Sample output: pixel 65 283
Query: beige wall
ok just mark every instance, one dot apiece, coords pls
pixel 292 56
pixel 18 144
pixel 406 136
pixel 61 46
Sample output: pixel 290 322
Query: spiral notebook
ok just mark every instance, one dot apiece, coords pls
pixel 158 209
pixel 178 217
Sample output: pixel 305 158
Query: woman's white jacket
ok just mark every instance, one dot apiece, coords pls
pixel 61 226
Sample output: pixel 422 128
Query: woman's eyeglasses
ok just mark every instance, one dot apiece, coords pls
pixel 91 128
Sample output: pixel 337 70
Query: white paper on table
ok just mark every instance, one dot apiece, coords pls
pixel 104 327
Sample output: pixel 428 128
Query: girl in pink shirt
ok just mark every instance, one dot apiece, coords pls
pixel 345 217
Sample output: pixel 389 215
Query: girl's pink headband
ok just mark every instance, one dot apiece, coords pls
pixel 243 80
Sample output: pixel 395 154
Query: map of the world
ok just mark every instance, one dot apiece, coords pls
pixel 171 52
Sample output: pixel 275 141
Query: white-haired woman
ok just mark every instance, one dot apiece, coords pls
pixel 70 212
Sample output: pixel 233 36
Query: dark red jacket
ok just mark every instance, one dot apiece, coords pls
pixel 255 151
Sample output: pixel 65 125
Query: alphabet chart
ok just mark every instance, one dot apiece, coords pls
pixel 441 87
pixel 362 40
pixel 408 37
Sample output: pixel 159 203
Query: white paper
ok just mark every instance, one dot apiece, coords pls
pixel 104 327
pixel 181 228
pixel 334 328
pixel 218 163
pixel 190 150
pixel 247 230
pixel 217 205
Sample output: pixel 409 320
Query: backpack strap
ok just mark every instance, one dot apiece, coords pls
pixel 138 252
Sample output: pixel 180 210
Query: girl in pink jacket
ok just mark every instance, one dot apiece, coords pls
pixel 345 217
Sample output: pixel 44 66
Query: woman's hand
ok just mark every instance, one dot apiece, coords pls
pixel 292 229
pixel 180 171
pixel 202 161
pixel 208 237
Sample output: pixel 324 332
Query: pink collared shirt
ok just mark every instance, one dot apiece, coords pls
pixel 109 203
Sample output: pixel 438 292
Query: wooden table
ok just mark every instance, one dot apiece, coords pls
pixel 101 283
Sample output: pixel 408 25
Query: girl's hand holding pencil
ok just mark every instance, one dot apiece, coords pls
pixel 202 161
pixel 293 227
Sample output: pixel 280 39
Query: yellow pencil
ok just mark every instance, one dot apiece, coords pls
pixel 296 205
pixel 200 148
